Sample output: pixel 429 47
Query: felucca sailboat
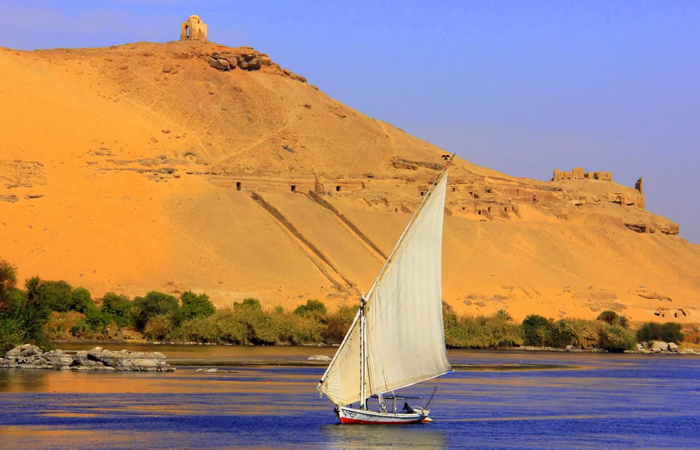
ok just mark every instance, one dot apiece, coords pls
pixel 397 338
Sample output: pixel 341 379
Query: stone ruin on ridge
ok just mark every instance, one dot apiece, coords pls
pixel 193 30
pixel 579 174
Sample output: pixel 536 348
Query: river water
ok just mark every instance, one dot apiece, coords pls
pixel 597 401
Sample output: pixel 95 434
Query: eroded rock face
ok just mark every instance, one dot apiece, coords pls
pixel 669 228
pixel 246 59
pixel 29 356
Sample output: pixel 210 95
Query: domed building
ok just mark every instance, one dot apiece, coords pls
pixel 193 30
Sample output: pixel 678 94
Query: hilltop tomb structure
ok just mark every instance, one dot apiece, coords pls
pixel 193 29
pixel 578 174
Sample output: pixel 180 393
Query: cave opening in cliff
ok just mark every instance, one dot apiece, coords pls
pixel 238 185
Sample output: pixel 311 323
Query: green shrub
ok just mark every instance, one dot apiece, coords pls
pixel 203 329
pixel 615 338
pixel 468 331
pixel 251 303
pixel 580 333
pixel 14 304
pixel 156 304
pixel 671 332
pixel 228 327
pixel 623 322
pixel 262 328
pixel 81 328
pixel 56 295
pixel 194 305
pixel 609 317
pixel 8 280
pixel 612 318
pixel 299 329
pixel 654 331
pixel 312 308
pixel 338 323
pixel 247 323
pixel 22 315
pixel 159 327
pixel 81 300
pixel 12 334
pixel 118 309
pixel 95 319
pixel 539 331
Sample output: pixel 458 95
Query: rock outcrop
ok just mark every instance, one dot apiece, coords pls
pixel 29 356
pixel 661 347
pixel 658 346
pixel 245 58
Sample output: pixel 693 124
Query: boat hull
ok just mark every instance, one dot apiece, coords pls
pixel 366 417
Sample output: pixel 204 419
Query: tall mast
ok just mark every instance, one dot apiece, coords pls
pixel 363 353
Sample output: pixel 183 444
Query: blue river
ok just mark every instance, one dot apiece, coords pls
pixel 589 401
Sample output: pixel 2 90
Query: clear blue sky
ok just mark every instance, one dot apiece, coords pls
pixel 519 86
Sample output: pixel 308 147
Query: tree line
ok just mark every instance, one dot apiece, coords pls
pixel 43 310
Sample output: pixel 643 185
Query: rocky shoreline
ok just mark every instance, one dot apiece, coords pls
pixel 646 348
pixel 29 356
pixel 663 347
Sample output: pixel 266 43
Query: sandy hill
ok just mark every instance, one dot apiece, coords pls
pixel 197 166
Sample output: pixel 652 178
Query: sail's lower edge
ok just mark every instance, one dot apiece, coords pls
pixel 420 381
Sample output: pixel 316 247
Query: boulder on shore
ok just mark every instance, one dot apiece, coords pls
pixel 658 346
pixel 29 356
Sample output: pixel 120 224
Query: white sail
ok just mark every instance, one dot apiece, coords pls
pixel 405 334
pixel 341 382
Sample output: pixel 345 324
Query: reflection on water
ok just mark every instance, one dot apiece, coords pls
pixel 382 437
pixel 27 381
pixel 606 401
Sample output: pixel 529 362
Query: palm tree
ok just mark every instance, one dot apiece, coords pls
pixel 32 287
pixel 503 315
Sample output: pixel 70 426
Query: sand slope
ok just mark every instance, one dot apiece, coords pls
pixel 143 167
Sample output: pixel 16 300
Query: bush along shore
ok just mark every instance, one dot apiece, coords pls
pixel 46 311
